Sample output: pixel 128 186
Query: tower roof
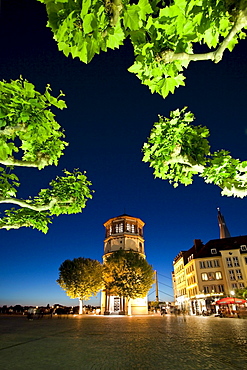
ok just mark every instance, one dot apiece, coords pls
pixel 125 216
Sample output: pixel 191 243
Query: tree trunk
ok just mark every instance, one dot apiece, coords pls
pixel 121 304
pixel 129 306
pixel 80 306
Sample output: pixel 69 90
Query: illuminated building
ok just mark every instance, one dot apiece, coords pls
pixel 126 233
pixel 206 273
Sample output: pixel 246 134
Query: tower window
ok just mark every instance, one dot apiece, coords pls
pixel 140 247
pixel 128 227
pixel 132 228
pixel 121 227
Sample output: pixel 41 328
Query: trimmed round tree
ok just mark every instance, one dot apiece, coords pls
pixel 80 278
pixel 127 274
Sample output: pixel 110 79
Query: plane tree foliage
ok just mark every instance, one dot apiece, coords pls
pixel 178 150
pixel 81 278
pixel 31 137
pixel 241 293
pixel 127 274
pixel 164 34
pixel 166 37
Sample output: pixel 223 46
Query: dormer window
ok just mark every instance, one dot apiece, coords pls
pixel 213 251
pixel 243 248
pixel 190 257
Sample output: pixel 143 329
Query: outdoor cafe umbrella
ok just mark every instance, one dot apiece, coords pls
pixel 231 300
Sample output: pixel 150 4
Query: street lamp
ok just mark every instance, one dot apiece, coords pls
pixel 233 295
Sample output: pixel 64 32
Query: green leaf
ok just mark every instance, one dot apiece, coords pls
pixel 116 39
pixel 145 8
pixel 85 7
pixel 131 17
pixel 87 23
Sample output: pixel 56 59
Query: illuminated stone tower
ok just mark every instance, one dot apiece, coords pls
pixel 123 232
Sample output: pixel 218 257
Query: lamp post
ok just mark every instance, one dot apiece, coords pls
pixel 233 295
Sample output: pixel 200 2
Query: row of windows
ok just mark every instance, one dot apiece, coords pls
pixel 237 274
pixel 237 285
pixel 207 289
pixel 213 289
pixel 180 279
pixel 179 268
pixel 181 292
pixel 191 280
pixel 209 264
pixel 212 275
pixel 121 227
pixel 192 292
pixel 190 269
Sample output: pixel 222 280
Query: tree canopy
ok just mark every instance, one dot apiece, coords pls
pixel 166 36
pixel 127 274
pixel 178 150
pixel 241 293
pixel 81 277
pixel 31 137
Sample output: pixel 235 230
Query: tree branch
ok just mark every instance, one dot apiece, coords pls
pixel 11 161
pixel 25 204
pixel 10 130
pixel 117 7
pixel 169 56
pixel 183 160
pixel 13 226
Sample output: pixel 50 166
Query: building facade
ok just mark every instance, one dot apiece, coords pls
pixel 123 232
pixel 205 273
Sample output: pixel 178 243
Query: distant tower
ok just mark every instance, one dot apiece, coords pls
pixel 123 232
pixel 224 232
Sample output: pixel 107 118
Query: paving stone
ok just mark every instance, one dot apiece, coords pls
pixel 121 343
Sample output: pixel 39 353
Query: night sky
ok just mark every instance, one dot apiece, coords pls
pixel 109 116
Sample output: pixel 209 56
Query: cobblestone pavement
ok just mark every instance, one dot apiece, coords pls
pixel 119 343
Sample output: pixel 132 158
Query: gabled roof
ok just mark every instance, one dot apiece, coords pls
pixel 217 244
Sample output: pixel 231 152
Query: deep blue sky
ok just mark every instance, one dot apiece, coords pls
pixel 109 116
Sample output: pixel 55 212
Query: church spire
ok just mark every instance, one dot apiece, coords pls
pixel 224 232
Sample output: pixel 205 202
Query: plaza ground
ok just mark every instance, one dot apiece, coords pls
pixel 112 343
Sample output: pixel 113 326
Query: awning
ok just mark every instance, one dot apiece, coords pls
pixel 231 300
